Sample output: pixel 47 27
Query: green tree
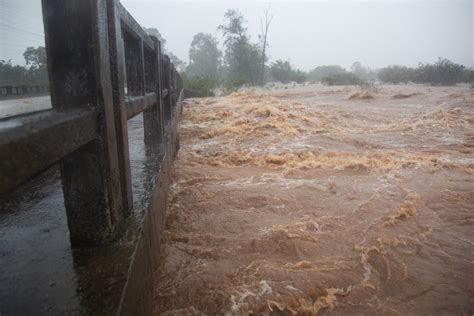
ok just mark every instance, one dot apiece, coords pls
pixel 359 70
pixel 204 56
pixel 12 75
pixel 397 74
pixel 367 75
pixel 265 22
pixel 233 29
pixel 469 76
pixel 318 73
pixel 199 86
pixel 298 76
pixel 443 72
pixel 35 57
pixel 282 71
pixel 35 73
pixel 242 58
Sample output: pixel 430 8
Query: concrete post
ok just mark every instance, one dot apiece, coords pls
pixel 79 72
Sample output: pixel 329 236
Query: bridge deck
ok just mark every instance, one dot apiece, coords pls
pixel 13 107
pixel 313 198
pixel 37 260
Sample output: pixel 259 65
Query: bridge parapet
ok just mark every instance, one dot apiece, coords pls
pixel 7 92
pixel 103 70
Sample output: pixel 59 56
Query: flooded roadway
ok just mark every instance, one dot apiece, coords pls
pixel 322 200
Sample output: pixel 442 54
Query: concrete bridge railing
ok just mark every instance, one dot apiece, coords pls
pixel 20 91
pixel 92 63
pixel 103 70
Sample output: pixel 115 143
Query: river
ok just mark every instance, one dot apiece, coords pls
pixel 316 200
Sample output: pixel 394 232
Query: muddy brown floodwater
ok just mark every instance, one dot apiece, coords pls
pixel 322 200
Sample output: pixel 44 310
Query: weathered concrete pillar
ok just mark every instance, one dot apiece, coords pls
pixel 117 70
pixel 173 87
pixel 152 117
pixel 79 72
pixel 168 100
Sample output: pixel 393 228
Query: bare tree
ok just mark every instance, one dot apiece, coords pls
pixel 265 22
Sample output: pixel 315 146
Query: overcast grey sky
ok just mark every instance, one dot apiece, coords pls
pixel 311 33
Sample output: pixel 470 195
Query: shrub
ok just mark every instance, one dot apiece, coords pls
pixel 397 74
pixel 232 84
pixel 298 76
pixel 318 73
pixel 469 76
pixel 443 72
pixel 283 72
pixel 200 86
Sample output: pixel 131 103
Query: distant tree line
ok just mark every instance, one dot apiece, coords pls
pixel 443 72
pixel 35 73
pixel 244 63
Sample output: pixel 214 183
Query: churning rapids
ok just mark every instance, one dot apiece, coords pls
pixel 322 200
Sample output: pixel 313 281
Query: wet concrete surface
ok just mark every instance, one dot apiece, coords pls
pixel 39 273
pixel 12 107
